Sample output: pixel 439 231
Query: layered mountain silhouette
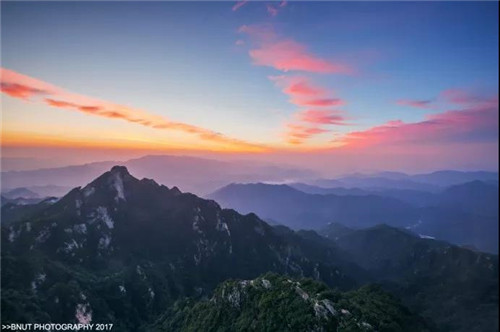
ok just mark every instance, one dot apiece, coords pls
pixel 297 209
pixel 465 214
pixel 396 180
pixel 130 251
pixel 20 193
pixel 193 174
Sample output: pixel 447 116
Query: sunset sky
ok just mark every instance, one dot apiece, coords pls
pixel 361 85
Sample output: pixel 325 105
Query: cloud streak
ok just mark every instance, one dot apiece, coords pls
pixel 424 104
pixel 286 54
pixel 322 102
pixel 475 121
pixel 322 117
pixel 296 133
pixel 303 93
pixel 461 97
pixel 26 88
pixel 20 91
pixel 238 5
pixel 309 123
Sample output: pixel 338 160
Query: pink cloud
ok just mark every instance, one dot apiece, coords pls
pixel 322 102
pixel 303 93
pixel 298 87
pixel 297 134
pixel 20 91
pixel 425 104
pixel 322 117
pixel 476 122
pixel 59 103
pixel 303 88
pixel 24 87
pixel 286 54
pixel 239 4
pixel 289 55
pixel 462 97
pixel 452 96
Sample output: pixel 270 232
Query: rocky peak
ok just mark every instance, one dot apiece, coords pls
pixel 175 191
pixel 114 181
pixel 122 171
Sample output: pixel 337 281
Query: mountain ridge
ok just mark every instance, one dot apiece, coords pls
pixel 155 242
pixel 455 286
pixel 458 214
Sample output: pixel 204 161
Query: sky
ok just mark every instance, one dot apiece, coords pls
pixel 333 86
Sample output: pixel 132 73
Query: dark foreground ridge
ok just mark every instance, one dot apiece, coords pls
pixel 276 303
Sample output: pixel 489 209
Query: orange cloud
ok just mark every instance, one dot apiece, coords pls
pixel 23 87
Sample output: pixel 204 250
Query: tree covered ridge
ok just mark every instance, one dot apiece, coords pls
pixel 273 302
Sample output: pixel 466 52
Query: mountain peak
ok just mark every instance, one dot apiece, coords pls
pixel 175 191
pixel 116 174
pixel 115 180
pixel 121 170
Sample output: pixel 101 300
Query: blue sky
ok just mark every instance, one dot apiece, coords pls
pixel 180 60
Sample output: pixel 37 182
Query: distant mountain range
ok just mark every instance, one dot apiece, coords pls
pixel 129 252
pixel 465 214
pixel 476 196
pixel 300 210
pixel 203 176
pixel 20 193
pixel 395 180
pixel 198 175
